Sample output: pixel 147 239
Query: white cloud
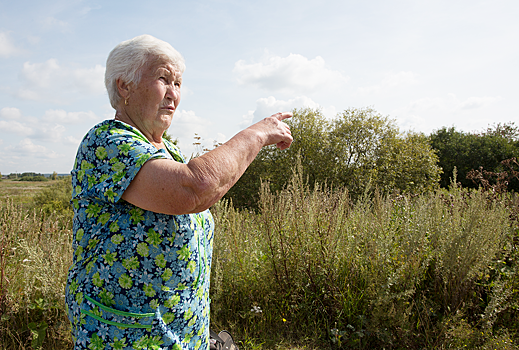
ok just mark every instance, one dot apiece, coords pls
pixel 451 103
pixel 31 95
pixel 72 141
pixel 14 127
pixel 428 113
pixel 10 113
pixel 478 102
pixel 186 91
pixel 246 119
pixel 7 48
pixel 45 131
pixel 61 116
pixel 48 128
pixel 390 81
pixel 89 79
pixel 267 106
pixel 293 74
pixel 184 126
pixel 51 22
pixel 50 79
pixel 27 148
pixel 428 104
pixel 21 125
pixel 41 75
pixel 51 133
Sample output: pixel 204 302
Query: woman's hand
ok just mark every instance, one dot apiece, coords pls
pixel 275 130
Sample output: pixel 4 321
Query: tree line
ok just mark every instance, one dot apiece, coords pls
pixel 31 176
pixel 361 151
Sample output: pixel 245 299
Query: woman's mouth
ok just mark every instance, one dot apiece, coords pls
pixel 169 108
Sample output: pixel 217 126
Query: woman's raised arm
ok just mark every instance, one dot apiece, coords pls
pixel 169 187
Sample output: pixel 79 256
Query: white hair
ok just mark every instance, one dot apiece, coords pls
pixel 126 60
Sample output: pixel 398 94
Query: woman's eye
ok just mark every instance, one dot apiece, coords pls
pixel 164 79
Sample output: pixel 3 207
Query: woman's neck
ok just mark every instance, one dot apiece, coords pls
pixel 154 139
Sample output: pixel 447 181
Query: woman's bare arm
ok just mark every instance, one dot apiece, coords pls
pixel 169 187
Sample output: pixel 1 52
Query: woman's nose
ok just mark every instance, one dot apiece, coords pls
pixel 173 92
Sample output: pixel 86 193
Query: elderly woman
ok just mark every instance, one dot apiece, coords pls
pixel 143 234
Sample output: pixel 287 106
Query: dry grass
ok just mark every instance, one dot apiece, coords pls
pixel 21 191
pixel 35 253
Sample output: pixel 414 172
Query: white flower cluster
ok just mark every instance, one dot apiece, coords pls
pixel 256 309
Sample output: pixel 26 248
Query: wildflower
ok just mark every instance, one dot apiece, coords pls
pixel 256 309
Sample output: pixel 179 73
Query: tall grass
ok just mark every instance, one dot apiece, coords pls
pixel 35 253
pixel 434 271
pixel 310 269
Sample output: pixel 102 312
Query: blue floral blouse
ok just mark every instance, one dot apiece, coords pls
pixel 139 279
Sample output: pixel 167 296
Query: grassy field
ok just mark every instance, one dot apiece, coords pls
pixel 21 191
pixel 310 270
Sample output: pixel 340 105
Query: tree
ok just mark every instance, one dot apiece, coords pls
pixel 370 151
pixel 467 151
pixel 408 164
pixel 357 137
pixel 359 150
pixel 507 130
pixel 309 130
pixel 170 138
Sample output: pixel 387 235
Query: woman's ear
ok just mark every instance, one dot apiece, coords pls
pixel 123 88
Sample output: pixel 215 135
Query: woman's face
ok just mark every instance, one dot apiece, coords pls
pixel 153 101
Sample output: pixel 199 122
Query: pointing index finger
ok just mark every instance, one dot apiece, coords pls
pixel 283 115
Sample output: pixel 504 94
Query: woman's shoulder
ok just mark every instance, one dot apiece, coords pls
pixel 110 127
pixel 111 130
pixel 98 131
pixel 110 140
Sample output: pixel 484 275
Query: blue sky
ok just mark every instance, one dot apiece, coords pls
pixel 426 64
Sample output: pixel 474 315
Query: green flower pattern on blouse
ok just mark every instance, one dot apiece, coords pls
pixel 139 279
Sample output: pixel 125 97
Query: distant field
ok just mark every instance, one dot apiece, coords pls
pixel 21 191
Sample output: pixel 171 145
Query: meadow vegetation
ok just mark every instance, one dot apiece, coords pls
pixel 311 268
pixel 35 253
pixel 372 243
pixel 436 271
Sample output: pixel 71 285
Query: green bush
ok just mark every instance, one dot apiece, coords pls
pixel 471 151
pixel 33 178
